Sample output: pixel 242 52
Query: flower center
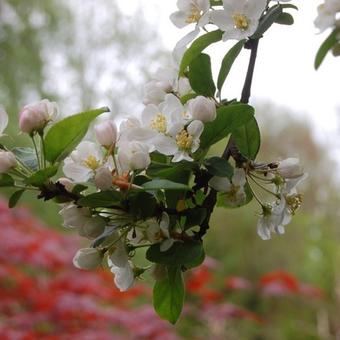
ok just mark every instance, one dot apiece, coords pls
pixel 184 140
pixel 235 195
pixel 194 16
pixel 159 123
pixel 294 202
pixel 92 162
pixel 240 21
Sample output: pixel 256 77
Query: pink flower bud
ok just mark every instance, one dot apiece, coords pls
pixel 67 183
pixel 106 133
pixel 34 117
pixel 103 178
pixel 7 161
pixel 203 109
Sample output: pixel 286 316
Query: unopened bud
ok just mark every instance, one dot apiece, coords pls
pixel 203 109
pixel 106 133
pixel 87 258
pixel 7 161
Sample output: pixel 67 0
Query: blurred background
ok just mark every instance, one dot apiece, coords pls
pixel 91 53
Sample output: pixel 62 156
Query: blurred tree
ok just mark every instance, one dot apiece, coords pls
pixel 80 53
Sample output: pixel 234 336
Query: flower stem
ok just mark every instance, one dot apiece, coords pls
pixel 36 152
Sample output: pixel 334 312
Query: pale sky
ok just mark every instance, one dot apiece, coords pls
pixel 284 71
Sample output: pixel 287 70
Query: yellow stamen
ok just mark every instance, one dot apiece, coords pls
pixel 194 16
pixel 92 162
pixel 294 202
pixel 240 21
pixel 159 123
pixel 184 140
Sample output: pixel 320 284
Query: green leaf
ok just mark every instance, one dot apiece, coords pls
pixel 101 199
pixel 325 48
pixel 218 166
pixel 216 3
pixel 228 62
pixel 158 184
pixel 6 180
pixel 14 199
pixel 248 139
pixel 194 217
pixel 162 170
pixel 27 156
pixel 200 76
pixel 66 134
pixel 289 6
pixel 189 254
pixel 197 47
pixel 285 19
pixel 268 20
pixel 229 118
pixel 142 204
pixel 184 99
pixel 78 188
pixel 41 176
pixel 168 295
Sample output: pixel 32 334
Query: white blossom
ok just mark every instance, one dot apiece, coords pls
pixel 290 168
pixel 181 141
pixel 327 15
pixel 83 162
pixel 239 19
pixel 234 189
pixel 133 156
pixel 103 178
pixel 121 267
pixel 191 12
pixel 87 258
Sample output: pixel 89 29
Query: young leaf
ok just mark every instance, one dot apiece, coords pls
pixel 194 217
pixel 162 170
pixel 325 48
pixel 228 62
pixel 168 295
pixel 189 254
pixel 14 199
pixel 6 180
pixel 66 134
pixel 229 118
pixel 41 176
pixel 158 184
pixel 197 47
pixel 27 156
pixel 101 199
pixel 248 139
pixel 285 19
pixel 268 20
pixel 200 76
pixel 218 166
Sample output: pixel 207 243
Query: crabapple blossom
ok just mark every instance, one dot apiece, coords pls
pixel 83 162
pixel 203 109
pixel 103 178
pixel 7 161
pixel 239 19
pixel 290 168
pixel 234 189
pixel 181 141
pixel 67 183
pixel 327 15
pixel 87 258
pixel 34 117
pixel 133 156
pixel 191 12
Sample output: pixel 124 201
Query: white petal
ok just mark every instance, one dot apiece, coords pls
pixel 239 177
pixel 179 19
pixel 195 128
pixel 220 184
pixel 149 113
pixel 77 172
pixel 222 19
pixel 165 145
pixel 124 277
pixel 254 9
pixel 3 120
pixel 262 229
pixel 181 156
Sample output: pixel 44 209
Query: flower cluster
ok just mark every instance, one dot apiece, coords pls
pixel 147 182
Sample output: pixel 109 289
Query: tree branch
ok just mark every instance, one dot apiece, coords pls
pixel 231 148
